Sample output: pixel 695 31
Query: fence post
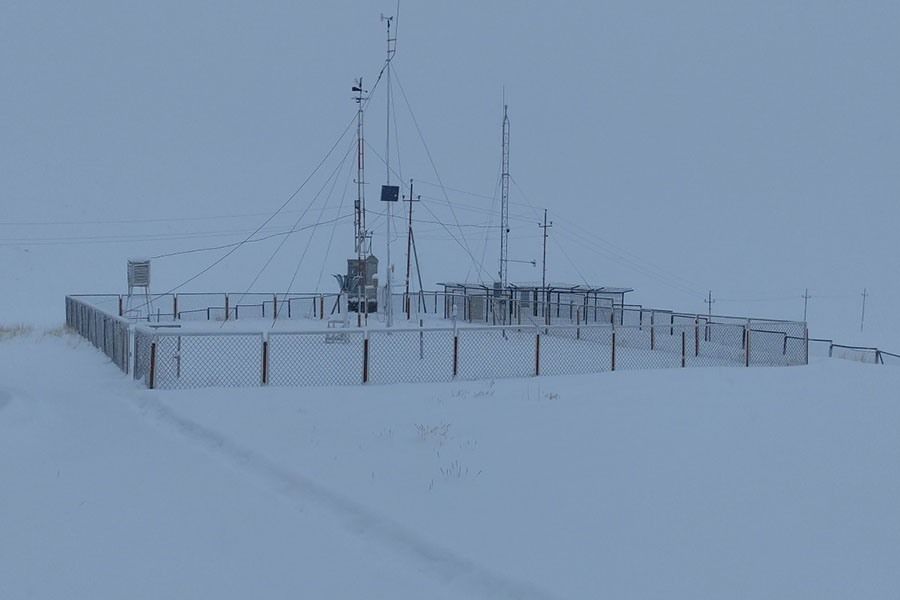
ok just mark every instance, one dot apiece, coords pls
pixel 682 348
pixel 696 336
pixel 126 350
pixel 455 354
pixel 614 350
pixel 806 344
pixel 578 324
pixel 152 363
pixel 265 360
pixel 226 307
pixel 652 333
pixel 120 306
pixel 421 340
pixel 366 358
pixel 747 344
pixel 274 306
pixel 537 355
pixel 321 307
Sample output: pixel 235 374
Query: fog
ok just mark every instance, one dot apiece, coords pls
pixel 750 149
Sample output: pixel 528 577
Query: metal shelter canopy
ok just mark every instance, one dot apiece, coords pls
pixel 555 287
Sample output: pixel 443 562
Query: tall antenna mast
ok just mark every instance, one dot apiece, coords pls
pixel 359 218
pixel 504 206
pixel 391 46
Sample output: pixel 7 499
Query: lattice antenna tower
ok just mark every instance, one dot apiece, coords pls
pixel 504 206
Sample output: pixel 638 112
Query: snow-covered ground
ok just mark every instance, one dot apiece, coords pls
pixel 741 153
pixel 717 482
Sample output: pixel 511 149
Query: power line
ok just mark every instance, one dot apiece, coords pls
pixel 629 259
pixel 487 233
pixel 636 267
pixel 262 239
pixel 437 221
pixel 571 262
pixel 297 222
pixel 327 200
pixel 266 222
pixel 138 238
pixel 334 229
pixel 770 299
pixel 127 221
pixel 453 237
pixel 465 244
pixel 646 268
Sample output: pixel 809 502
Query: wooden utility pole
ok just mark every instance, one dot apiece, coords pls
pixel 545 226
pixel 709 301
pixel 409 246
pixel 862 319
pixel 806 298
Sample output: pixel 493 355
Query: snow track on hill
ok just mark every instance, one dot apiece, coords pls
pixel 446 565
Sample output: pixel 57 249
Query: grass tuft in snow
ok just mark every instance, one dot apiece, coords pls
pixel 11 331
pixel 456 471
pixel 438 432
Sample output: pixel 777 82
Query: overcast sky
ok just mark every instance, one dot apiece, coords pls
pixel 749 148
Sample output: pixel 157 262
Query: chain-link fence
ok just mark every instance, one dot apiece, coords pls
pixel 108 333
pixel 144 361
pixel 197 360
pixel 622 338
pixel 489 352
pixel 334 357
pixel 410 355
pixel 167 358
